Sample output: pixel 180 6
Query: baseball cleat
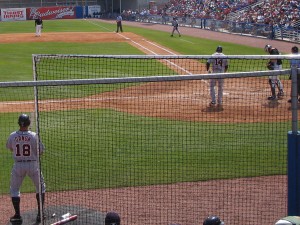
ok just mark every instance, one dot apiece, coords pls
pixel 212 104
pixel 280 94
pixel 38 218
pixel 272 98
pixel 16 219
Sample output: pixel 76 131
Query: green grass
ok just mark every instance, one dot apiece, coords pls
pixel 162 155
pixel 19 55
pixel 113 157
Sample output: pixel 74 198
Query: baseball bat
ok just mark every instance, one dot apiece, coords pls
pixel 66 220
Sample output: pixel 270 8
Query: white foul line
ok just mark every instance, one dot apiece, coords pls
pixel 164 49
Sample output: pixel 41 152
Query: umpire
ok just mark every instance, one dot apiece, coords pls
pixel 119 24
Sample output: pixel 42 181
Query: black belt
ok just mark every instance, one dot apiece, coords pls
pixel 26 160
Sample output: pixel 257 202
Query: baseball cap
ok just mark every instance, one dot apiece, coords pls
pixel 213 220
pixel 112 218
pixel 268 48
pixel 295 49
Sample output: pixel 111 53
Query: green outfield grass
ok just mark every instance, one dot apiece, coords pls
pixel 18 55
pixel 159 135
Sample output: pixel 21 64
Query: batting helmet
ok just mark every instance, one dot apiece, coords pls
pixel 295 49
pixel 268 48
pixel 112 218
pixel 219 49
pixel 289 220
pixel 213 220
pixel 24 120
pixel 274 51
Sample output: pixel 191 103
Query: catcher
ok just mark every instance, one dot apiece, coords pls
pixel 274 81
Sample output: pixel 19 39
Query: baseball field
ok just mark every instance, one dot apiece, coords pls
pixel 148 193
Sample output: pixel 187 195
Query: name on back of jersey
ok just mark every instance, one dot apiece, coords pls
pixel 22 138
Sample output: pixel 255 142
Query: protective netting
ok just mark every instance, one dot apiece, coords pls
pixel 145 142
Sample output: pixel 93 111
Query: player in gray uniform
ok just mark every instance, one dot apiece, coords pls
pixel 175 27
pixel 23 144
pixel 274 81
pixel 219 65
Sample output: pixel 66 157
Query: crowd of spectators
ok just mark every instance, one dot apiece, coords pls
pixel 210 9
pixel 278 12
pixel 274 12
pixel 281 12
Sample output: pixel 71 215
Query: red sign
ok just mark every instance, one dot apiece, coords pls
pixel 48 13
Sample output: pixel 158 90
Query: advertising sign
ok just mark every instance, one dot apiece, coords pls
pixel 94 10
pixel 12 14
pixel 48 13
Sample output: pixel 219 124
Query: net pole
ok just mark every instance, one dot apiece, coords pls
pixel 294 97
pixel 294 153
pixel 293 174
pixel 35 88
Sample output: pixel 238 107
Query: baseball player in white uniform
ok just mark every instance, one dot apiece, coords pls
pixel 23 144
pixel 38 26
pixel 219 65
